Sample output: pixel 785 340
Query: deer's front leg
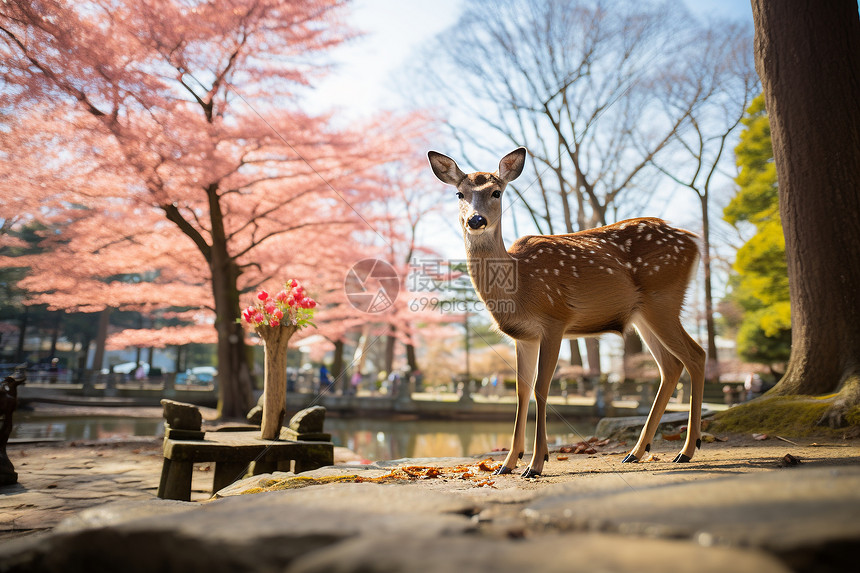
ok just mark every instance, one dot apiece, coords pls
pixel 547 361
pixel 527 353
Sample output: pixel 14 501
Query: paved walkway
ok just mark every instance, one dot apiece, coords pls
pixel 740 506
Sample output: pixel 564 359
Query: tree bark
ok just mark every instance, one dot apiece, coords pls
pixel 338 367
pixel 391 339
pixel 808 57
pixel 575 354
pixel 411 358
pixel 592 352
pixel 234 373
pixel 101 338
pixel 712 365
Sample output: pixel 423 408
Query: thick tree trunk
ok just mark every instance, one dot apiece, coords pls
pixel 808 57
pixel 234 373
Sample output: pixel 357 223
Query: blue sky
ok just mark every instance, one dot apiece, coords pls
pixel 395 28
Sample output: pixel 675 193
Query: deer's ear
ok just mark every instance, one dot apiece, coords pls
pixel 511 165
pixel 445 168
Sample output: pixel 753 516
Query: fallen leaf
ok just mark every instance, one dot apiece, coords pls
pixel 759 436
pixel 562 458
pixel 672 437
pixel 488 465
pixel 789 460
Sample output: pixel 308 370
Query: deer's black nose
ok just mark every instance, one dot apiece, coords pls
pixel 477 222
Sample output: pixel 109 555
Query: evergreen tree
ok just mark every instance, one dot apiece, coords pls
pixel 760 285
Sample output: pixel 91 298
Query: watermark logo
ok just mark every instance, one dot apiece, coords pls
pixel 446 285
pixel 371 286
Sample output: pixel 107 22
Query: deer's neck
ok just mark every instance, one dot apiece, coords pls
pixel 490 265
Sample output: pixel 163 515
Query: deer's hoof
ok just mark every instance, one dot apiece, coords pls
pixel 502 471
pixel 681 459
pixel 530 473
pixel 630 459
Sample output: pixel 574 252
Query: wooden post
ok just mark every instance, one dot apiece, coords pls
pixel 275 339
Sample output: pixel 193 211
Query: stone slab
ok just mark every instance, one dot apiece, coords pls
pixel 777 510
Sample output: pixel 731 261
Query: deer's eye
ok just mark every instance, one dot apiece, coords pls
pixel 460 195
pixel 497 194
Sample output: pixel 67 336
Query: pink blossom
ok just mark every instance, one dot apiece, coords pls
pixel 281 296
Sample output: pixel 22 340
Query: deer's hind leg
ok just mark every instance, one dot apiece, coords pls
pixel 527 356
pixel 675 339
pixel 670 372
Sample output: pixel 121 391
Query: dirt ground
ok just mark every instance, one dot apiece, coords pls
pixel 57 480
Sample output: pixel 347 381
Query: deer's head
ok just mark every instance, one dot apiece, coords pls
pixel 479 194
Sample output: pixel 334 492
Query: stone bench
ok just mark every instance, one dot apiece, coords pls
pixel 236 453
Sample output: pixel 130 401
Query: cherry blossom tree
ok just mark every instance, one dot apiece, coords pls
pixel 191 111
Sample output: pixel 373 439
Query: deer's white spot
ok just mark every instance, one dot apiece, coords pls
pixel 629 266
pixel 549 298
pixel 656 268
pixel 590 261
pixel 677 250
pixel 608 270
pixel 561 263
pixel 546 271
pixel 638 259
pixel 540 251
pixel 555 272
pixel 648 237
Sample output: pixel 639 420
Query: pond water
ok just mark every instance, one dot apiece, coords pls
pixel 372 439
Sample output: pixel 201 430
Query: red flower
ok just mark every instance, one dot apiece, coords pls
pixel 282 296
pixel 278 314
pixel 263 295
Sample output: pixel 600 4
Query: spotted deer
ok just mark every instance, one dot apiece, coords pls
pixel 549 287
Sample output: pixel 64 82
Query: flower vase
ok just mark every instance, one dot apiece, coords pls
pixel 275 340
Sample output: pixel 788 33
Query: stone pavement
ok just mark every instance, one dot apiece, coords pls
pixel 739 506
